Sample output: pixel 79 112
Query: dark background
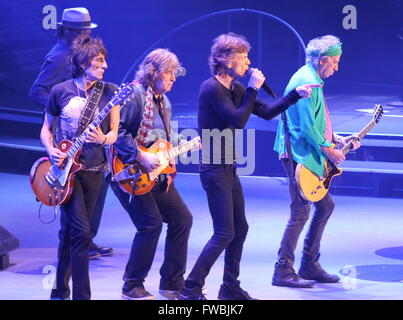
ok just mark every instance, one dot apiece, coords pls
pixel 371 61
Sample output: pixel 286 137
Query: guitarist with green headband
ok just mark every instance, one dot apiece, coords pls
pixel 305 136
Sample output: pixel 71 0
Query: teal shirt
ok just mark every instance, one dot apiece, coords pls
pixel 306 121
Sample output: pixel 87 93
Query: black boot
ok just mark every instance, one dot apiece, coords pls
pixel 191 293
pixel 236 293
pixel 311 270
pixel 285 276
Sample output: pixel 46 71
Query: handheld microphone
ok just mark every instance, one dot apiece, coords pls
pixel 269 90
pixel 266 87
pixel 180 72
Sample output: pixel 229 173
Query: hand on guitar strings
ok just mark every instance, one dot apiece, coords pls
pixel 56 156
pixel 355 142
pixel 147 161
pixel 334 155
pixel 352 139
pixel 305 90
pixel 95 135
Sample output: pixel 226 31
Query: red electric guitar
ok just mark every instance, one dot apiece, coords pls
pixel 53 185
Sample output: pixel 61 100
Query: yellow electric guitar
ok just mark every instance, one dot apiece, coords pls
pixel 314 188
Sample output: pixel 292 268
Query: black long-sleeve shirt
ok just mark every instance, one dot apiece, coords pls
pixel 55 69
pixel 222 110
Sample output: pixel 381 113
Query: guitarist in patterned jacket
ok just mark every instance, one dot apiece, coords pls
pixel 306 132
pixel 143 121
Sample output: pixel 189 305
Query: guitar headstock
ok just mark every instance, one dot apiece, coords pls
pixel 378 112
pixel 123 94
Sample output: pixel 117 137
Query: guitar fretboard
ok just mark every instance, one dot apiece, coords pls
pixel 347 148
pixel 79 142
pixel 181 149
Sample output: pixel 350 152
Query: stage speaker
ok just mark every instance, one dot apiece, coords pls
pixel 7 243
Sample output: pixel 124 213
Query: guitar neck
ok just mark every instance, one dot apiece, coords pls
pixel 181 149
pixel 79 142
pixel 347 148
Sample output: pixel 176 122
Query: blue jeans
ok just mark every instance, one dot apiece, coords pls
pixel 227 209
pixel 147 213
pixel 300 209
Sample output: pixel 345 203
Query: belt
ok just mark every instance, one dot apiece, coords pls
pixel 99 168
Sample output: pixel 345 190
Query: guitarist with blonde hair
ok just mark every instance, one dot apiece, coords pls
pixel 145 120
pixel 305 136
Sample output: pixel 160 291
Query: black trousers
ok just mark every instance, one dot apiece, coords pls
pixel 227 209
pixel 99 207
pixel 148 212
pixel 300 210
pixel 75 237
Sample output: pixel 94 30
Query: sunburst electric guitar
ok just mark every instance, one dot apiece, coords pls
pixel 134 181
pixel 314 188
pixel 53 185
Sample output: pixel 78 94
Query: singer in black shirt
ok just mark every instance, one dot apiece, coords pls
pixel 225 105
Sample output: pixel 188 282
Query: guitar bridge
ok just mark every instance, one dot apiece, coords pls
pixel 126 174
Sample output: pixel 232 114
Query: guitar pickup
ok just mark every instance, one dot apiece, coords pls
pixel 50 181
pixel 126 174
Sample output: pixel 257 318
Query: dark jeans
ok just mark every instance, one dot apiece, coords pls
pixel 99 207
pixel 148 212
pixel 227 209
pixel 75 237
pixel 300 209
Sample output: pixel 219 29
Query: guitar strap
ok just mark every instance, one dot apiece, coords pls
pixel 90 107
pixel 162 113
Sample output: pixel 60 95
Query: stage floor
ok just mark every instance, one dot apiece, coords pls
pixel 363 243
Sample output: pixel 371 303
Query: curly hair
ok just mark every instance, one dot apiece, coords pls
pixel 155 63
pixel 223 49
pixel 317 47
pixel 85 49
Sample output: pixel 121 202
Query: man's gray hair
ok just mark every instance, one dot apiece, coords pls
pixel 155 63
pixel 317 47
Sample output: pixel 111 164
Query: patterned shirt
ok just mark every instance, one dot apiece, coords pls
pixel 67 102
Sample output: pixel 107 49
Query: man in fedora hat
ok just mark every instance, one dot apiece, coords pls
pixel 57 69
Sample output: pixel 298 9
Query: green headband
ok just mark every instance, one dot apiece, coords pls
pixel 334 50
pixel 331 51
